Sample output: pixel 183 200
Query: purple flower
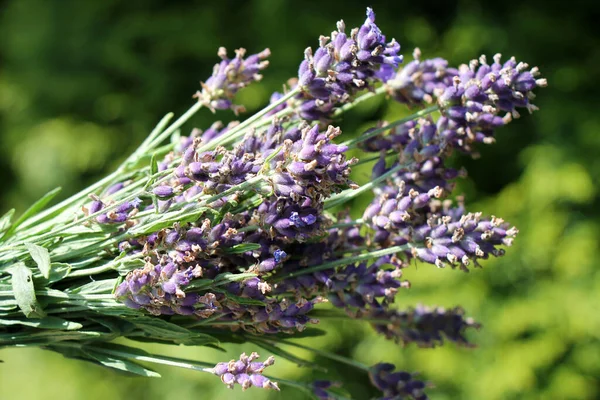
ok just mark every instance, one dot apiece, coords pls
pixel 245 372
pixel 359 286
pixel 163 191
pixel 291 221
pixel 114 188
pixel 457 238
pixel 159 289
pixel 471 106
pixel 396 385
pixel 344 65
pixel 418 81
pixel 437 233
pixel 425 326
pixel 229 76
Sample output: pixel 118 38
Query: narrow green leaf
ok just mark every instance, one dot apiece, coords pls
pixel 308 332
pixel 45 323
pixel 121 311
pixel 175 137
pixel 242 248
pixel 199 339
pixel 248 204
pixel 8 302
pixel 104 286
pixel 41 257
pixel 121 364
pixel 129 265
pixel 24 292
pixel 52 335
pixel 168 219
pixel 239 299
pixel 228 277
pixel 5 220
pixel 112 324
pixel 72 353
pixel 153 164
pixel 160 328
pixel 154 226
pixel 81 355
pixel 143 339
pixel 58 271
pixel 221 279
pixel 116 348
pixel 31 211
pixel 140 355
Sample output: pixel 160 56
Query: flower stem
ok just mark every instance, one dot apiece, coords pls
pixel 348 194
pixel 103 182
pixel 323 353
pixel 353 142
pixel 241 129
pixel 358 100
pixel 343 261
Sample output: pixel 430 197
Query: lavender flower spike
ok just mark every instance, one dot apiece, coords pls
pixel 229 76
pixel 396 385
pixel 417 81
pixel 424 326
pixel 343 65
pixel 471 107
pixel 245 372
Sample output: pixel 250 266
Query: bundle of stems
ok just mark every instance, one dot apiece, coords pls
pixel 241 233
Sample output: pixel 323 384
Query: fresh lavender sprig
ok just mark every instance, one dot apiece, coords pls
pixel 417 82
pixel 246 372
pixel 229 76
pixel 343 65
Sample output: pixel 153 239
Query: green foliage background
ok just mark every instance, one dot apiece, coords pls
pixel 83 82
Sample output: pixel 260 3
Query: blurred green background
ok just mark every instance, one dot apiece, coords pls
pixel 83 82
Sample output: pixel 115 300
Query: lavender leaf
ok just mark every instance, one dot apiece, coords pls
pixel 41 257
pixel 121 364
pixel 22 285
pixel 31 211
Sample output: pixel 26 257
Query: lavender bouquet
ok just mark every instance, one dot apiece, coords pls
pixel 241 233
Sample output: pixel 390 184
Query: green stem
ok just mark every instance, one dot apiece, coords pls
pixel 151 142
pixel 347 224
pixel 103 268
pixel 344 261
pixel 98 185
pixel 35 237
pixel 348 194
pixel 358 100
pixel 239 130
pixel 353 142
pixel 323 353
pixel 72 296
pixel 388 154
pixel 151 358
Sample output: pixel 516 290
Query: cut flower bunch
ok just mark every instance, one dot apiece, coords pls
pixel 241 233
